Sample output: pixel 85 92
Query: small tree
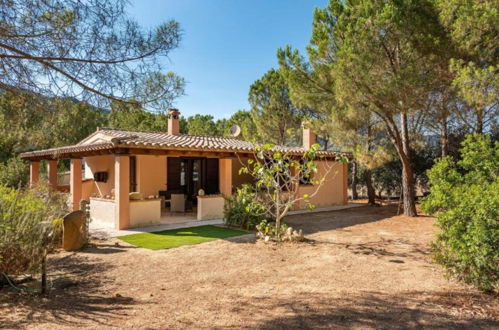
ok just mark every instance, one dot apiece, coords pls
pixel 30 227
pixel 278 175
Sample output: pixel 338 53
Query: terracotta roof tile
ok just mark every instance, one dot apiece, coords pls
pixel 108 138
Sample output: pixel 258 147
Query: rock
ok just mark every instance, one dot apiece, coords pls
pixel 74 231
pixel 267 238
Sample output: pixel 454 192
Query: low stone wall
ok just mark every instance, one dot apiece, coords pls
pixel 210 207
pixel 145 212
pixel 103 211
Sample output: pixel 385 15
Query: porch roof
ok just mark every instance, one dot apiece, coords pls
pixel 111 141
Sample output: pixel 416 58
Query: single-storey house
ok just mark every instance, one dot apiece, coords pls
pixel 134 179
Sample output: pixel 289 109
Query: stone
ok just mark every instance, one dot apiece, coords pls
pixel 74 231
pixel 136 196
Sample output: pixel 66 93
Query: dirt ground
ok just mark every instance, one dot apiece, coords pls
pixel 361 268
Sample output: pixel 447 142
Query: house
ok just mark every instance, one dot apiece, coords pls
pixel 134 179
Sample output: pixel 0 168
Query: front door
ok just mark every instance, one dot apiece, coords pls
pixel 188 174
pixel 190 177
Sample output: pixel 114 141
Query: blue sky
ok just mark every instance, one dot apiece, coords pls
pixel 227 44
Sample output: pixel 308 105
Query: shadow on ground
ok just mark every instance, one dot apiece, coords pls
pixel 408 310
pixel 76 297
pixel 312 223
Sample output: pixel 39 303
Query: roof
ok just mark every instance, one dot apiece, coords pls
pixel 110 140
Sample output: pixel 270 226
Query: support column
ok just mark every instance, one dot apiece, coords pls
pixel 34 172
pixel 75 182
pixel 345 183
pixel 52 173
pixel 225 176
pixel 122 191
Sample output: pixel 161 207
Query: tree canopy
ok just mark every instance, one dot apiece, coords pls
pixel 90 50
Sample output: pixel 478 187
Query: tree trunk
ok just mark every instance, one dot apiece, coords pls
pixel 444 138
pixel 407 175
pixel 371 194
pixel 479 122
pixel 355 194
pixel 43 289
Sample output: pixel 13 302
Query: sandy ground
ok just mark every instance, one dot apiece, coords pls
pixel 361 268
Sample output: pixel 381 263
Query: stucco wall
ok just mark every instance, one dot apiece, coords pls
pixel 240 179
pixel 151 174
pixel 334 189
pixel 103 211
pixel 87 188
pixel 145 212
pixel 104 163
pixel 210 207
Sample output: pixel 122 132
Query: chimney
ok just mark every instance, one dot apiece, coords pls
pixel 308 136
pixel 173 122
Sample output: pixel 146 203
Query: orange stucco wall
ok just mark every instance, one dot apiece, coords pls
pixel 151 174
pixel 334 189
pixel 240 179
pixel 87 189
pixel 104 163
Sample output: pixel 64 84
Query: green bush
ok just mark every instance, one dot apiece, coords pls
pixel 14 173
pixel 465 199
pixel 30 227
pixel 243 210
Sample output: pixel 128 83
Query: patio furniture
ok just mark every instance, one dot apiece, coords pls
pixel 177 203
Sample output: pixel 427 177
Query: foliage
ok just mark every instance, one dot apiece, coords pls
pixel 201 125
pixel 273 113
pixel 91 50
pixel 29 121
pixel 14 173
pixel 269 229
pixel 244 120
pixel 30 227
pixel 243 208
pixel 472 26
pixel 130 116
pixel 278 176
pixel 465 201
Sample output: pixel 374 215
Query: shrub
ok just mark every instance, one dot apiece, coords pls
pixel 268 231
pixel 464 197
pixel 14 173
pixel 242 209
pixel 30 227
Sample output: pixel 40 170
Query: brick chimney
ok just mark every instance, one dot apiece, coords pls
pixel 173 122
pixel 308 136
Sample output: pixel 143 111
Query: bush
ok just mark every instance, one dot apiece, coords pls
pixel 464 197
pixel 30 227
pixel 14 173
pixel 243 210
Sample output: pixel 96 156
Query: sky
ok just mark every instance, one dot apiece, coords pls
pixel 226 45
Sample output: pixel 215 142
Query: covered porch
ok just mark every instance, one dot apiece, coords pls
pixel 139 189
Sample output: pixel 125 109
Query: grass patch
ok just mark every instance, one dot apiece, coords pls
pixel 168 239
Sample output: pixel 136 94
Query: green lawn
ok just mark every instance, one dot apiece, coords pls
pixel 168 239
